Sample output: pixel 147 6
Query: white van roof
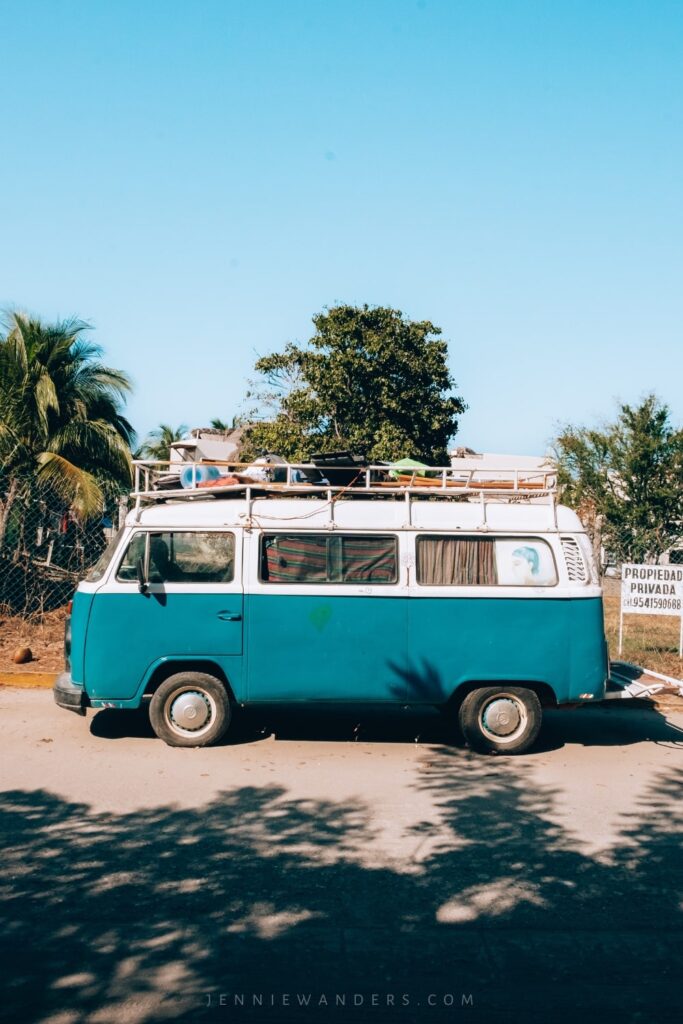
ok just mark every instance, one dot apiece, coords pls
pixel 357 514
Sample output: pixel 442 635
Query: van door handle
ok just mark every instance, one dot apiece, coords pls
pixel 230 616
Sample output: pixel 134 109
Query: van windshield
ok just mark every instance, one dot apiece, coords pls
pixel 100 567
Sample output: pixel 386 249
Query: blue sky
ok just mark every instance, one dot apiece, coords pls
pixel 198 179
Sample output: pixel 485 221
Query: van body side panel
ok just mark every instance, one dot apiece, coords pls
pixel 129 633
pixel 398 649
pixel 232 668
pixel 588 655
pixel 80 611
pixel 326 647
pixel 460 640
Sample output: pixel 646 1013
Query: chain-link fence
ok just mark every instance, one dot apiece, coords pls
pixel 45 549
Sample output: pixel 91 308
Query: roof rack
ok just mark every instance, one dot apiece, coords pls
pixel 161 480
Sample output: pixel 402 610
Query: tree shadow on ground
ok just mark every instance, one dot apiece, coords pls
pixel 498 914
pixel 144 917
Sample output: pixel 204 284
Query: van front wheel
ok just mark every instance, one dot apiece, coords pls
pixel 501 719
pixel 190 709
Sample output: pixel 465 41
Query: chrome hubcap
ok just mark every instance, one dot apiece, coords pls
pixel 190 711
pixel 501 717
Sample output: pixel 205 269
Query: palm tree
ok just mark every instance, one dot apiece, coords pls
pixel 61 421
pixel 226 427
pixel 158 443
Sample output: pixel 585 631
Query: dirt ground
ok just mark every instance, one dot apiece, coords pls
pixel 46 640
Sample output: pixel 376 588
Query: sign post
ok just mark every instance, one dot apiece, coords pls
pixel 651 590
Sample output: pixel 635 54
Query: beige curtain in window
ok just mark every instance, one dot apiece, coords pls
pixel 455 561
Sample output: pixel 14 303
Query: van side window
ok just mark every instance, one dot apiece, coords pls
pixel 444 561
pixel 127 572
pixel 321 558
pixel 456 561
pixel 370 559
pixel 294 558
pixel 182 557
pixel 525 562
pixel 102 564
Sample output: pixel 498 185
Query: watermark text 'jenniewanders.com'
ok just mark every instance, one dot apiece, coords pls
pixel 353 1000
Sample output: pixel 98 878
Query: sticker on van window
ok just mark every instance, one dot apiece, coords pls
pixel 525 563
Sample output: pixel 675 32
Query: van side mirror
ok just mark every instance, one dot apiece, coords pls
pixel 140 570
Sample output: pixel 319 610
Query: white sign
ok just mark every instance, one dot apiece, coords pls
pixel 651 589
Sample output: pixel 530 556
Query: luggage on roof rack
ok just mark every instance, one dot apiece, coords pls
pixel 156 480
pixel 341 468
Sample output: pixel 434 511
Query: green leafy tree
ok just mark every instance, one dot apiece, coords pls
pixel 158 442
pixel 627 479
pixel 61 420
pixel 370 380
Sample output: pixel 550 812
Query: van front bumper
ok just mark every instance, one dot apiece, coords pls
pixel 73 698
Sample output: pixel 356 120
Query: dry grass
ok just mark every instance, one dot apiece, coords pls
pixel 649 640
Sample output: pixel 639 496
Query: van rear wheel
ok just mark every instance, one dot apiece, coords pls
pixel 501 719
pixel 190 709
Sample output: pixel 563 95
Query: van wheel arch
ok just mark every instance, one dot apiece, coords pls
pixel 543 691
pixel 170 668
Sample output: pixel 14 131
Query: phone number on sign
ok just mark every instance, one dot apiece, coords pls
pixel 672 604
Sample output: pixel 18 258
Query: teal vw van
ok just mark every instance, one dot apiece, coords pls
pixel 487 608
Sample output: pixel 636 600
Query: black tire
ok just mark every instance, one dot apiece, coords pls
pixel 206 702
pixel 514 724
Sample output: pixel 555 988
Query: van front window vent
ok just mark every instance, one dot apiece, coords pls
pixel 576 568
